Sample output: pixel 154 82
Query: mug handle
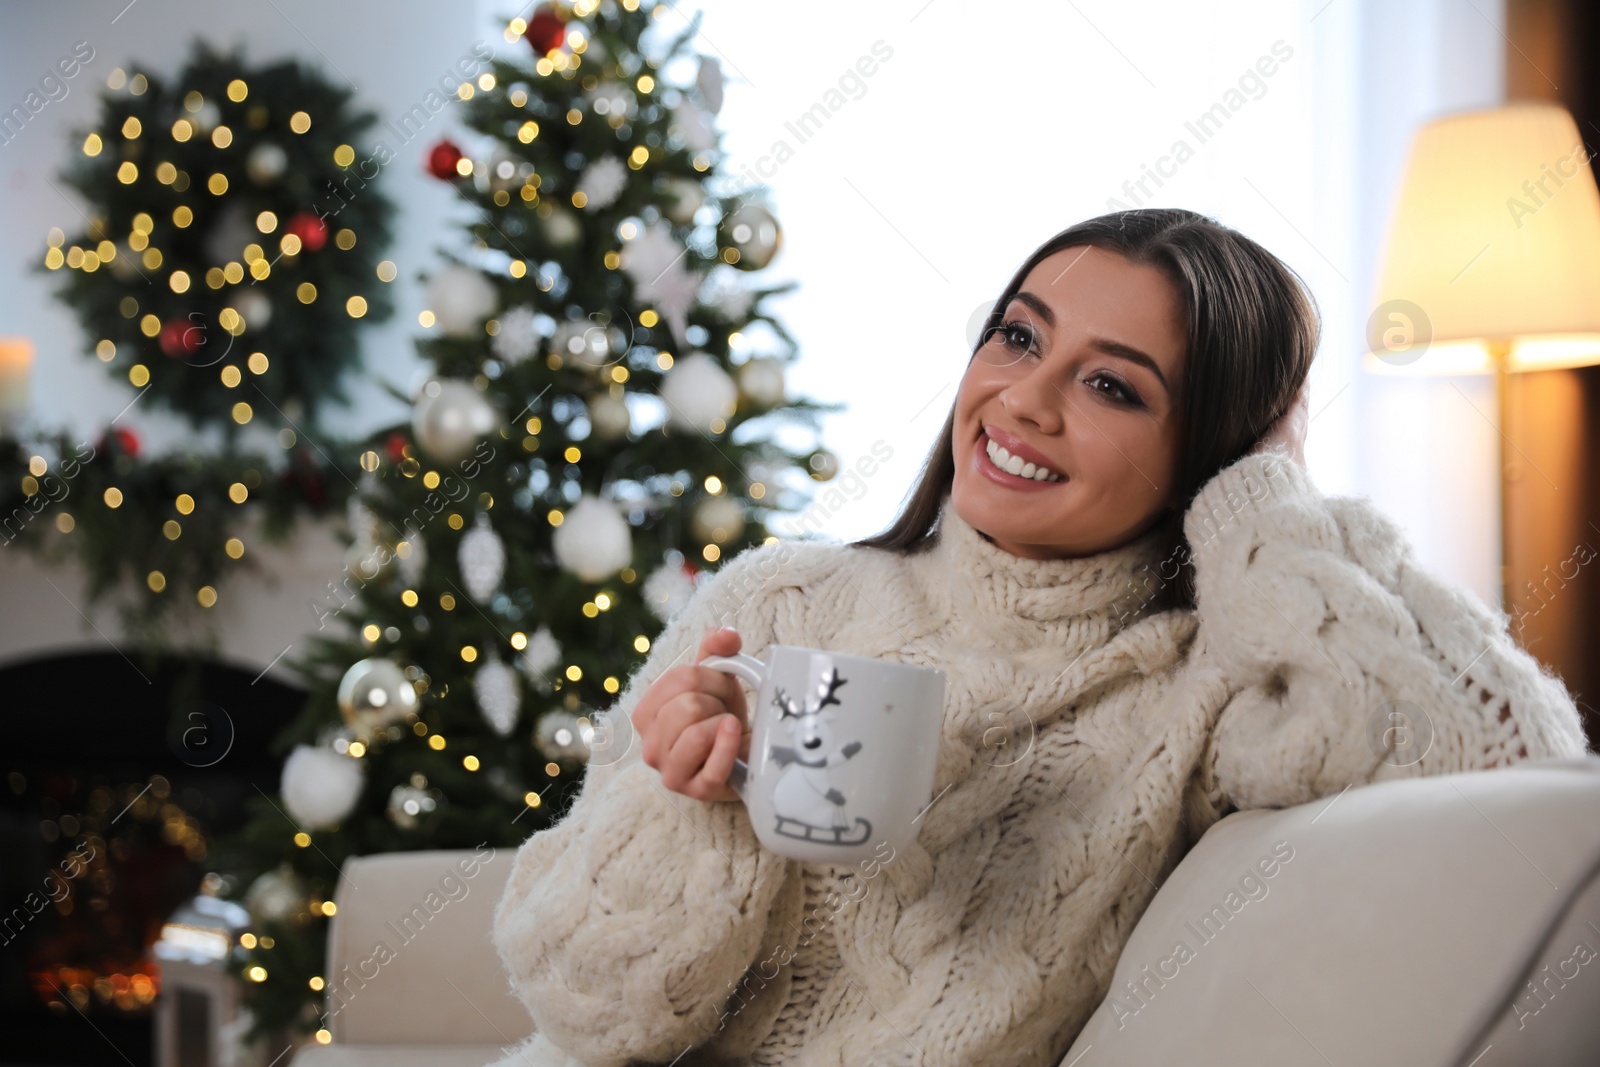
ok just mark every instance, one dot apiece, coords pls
pixel 753 671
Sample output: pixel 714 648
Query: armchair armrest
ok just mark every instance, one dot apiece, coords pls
pixel 1431 922
pixel 409 957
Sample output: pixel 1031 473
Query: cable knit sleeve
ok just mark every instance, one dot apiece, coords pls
pixel 625 926
pixel 1347 662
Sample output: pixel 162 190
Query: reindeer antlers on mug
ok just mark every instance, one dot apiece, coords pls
pixel 826 688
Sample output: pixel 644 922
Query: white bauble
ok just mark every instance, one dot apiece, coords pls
pixel 761 379
pixel 725 290
pixel 668 589
pixel 449 418
pixel 518 337
pixel 561 227
pixel 613 100
pixel 276 896
pixel 542 656
pixel 649 253
pixel 460 299
pixel 413 559
pixel 254 306
pixel 609 416
pixel 234 229
pixel 482 559
pixel 266 163
pixel 708 79
pixel 206 118
pixel 602 182
pixel 360 519
pixel 698 392
pixel 691 123
pixel 122 265
pixel 499 697
pixel 319 787
pixel 718 518
pixel 593 541
pixel 680 198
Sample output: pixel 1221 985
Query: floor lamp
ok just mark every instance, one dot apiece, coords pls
pixel 1492 263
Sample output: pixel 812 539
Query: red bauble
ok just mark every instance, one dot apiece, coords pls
pixel 182 337
pixel 122 440
pixel 311 230
pixel 546 31
pixel 395 446
pixel 442 161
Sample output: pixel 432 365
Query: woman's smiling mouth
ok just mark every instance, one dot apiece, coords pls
pixel 999 465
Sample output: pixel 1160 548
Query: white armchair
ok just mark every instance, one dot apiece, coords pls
pixel 1431 922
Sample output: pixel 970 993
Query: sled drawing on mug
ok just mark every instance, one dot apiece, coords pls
pixel 807 805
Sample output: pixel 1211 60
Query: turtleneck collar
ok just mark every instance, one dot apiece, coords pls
pixel 989 581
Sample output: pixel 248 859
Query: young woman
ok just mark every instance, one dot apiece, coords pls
pixel 1147 616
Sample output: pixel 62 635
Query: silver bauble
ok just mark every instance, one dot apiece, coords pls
pixel 822 465
pixel 609 416
pixel 368 561
pixel 680 198
pixel 276 896
pixel 449 418
pixel 409 805
pixel 753 233
pixel 761 381
pixel 561 737
pixel 374 693
pixel 561 227
pixel 719 519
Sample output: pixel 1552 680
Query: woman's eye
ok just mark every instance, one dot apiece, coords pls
pixel 1118 392
pixel 1015 336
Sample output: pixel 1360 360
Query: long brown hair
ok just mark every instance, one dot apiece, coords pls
pixel 1253 329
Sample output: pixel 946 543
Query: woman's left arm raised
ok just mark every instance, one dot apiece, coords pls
pixel 1347 662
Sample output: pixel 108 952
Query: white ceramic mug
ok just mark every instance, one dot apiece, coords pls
pixel 842 750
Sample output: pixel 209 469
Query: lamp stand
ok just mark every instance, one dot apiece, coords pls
pixel 1500 355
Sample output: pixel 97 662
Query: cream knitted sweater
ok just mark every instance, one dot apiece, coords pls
pixel 1091 734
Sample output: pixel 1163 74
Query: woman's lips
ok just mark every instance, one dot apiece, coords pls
pixel 985 466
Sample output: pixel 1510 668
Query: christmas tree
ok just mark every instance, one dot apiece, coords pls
pixel 600 428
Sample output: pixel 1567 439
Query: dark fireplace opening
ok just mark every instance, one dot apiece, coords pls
pixel 119 775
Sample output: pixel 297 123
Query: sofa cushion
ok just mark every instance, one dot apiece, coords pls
pixel 397 1055
pixel 1396 923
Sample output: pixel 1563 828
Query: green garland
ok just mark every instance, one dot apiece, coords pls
pixel 207 273
pixel 158 536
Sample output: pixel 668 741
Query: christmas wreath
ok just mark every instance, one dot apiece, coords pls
pixel 231 248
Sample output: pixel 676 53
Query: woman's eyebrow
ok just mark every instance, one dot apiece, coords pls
pixel 1103 344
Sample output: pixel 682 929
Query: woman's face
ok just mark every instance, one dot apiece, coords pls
pixel 1084 375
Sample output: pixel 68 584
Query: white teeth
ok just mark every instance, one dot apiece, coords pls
pixel 1015 464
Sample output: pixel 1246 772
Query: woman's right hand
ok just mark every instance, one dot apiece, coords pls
pixel 693 721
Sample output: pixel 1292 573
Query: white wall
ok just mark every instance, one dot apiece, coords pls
pixel 989 130
pixel 985 131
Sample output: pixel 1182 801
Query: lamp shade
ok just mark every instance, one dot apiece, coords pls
pixel 1495 240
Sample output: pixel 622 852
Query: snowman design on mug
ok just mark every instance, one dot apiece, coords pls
pixel 808 806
